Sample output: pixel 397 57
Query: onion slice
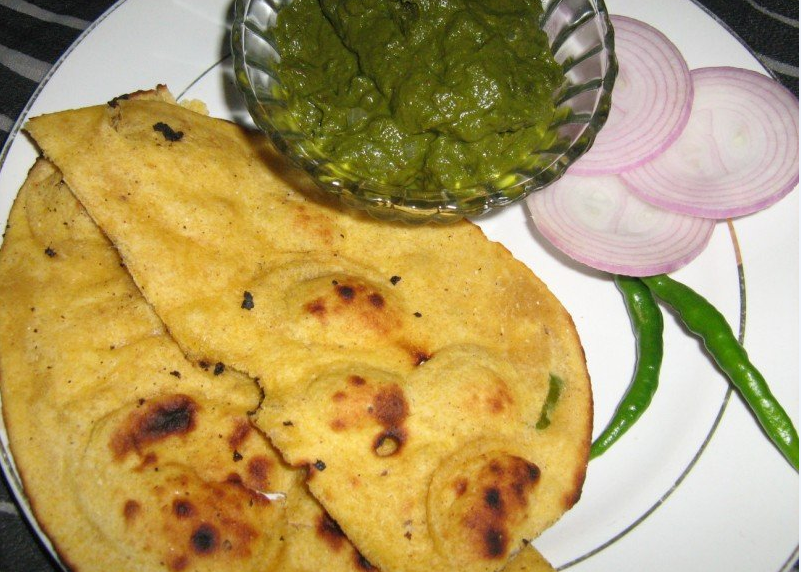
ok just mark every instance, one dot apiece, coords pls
pixel 738 153
pixel 599 222
pixel 651 101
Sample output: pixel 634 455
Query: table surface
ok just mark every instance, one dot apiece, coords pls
pixel 35 33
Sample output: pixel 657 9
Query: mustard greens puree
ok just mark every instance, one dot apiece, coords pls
pixel 419 93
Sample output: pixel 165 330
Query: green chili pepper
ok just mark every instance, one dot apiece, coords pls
pixel 704 320
pixel 646 321
pixel 555 385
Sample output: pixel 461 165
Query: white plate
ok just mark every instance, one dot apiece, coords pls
pixel 695 486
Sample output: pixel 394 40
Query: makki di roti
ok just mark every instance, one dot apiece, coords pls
pixel 408 369
pixel 134 459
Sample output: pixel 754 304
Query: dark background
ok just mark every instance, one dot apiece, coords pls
pixel 34 33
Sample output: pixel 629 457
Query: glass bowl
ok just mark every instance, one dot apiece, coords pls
pixel 582 41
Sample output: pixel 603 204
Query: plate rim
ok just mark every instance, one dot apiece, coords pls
pixel 8 465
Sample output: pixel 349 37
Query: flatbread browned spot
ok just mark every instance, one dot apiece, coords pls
pixel 330 531
pixel 168 416
pixel 131 509
pixel 239 434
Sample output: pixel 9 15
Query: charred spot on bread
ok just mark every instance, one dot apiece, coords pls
pixel 247 301
pixel 205 539
pixel 131 509
pixel 329 530
pixel 182 508
pixel 157 420
pixel 115 102
pixel 168 132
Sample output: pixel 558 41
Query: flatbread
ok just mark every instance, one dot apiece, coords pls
pixel 529 560
pixel 131 457
pixel 407 368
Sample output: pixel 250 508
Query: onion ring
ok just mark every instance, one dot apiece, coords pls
pixel 599 222
pixel 651 101
pixel 737 155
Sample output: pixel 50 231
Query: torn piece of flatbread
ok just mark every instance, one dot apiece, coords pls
pixel 434 387
pixel 529 560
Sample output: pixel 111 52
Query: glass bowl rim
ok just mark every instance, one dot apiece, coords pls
pixel 441 205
